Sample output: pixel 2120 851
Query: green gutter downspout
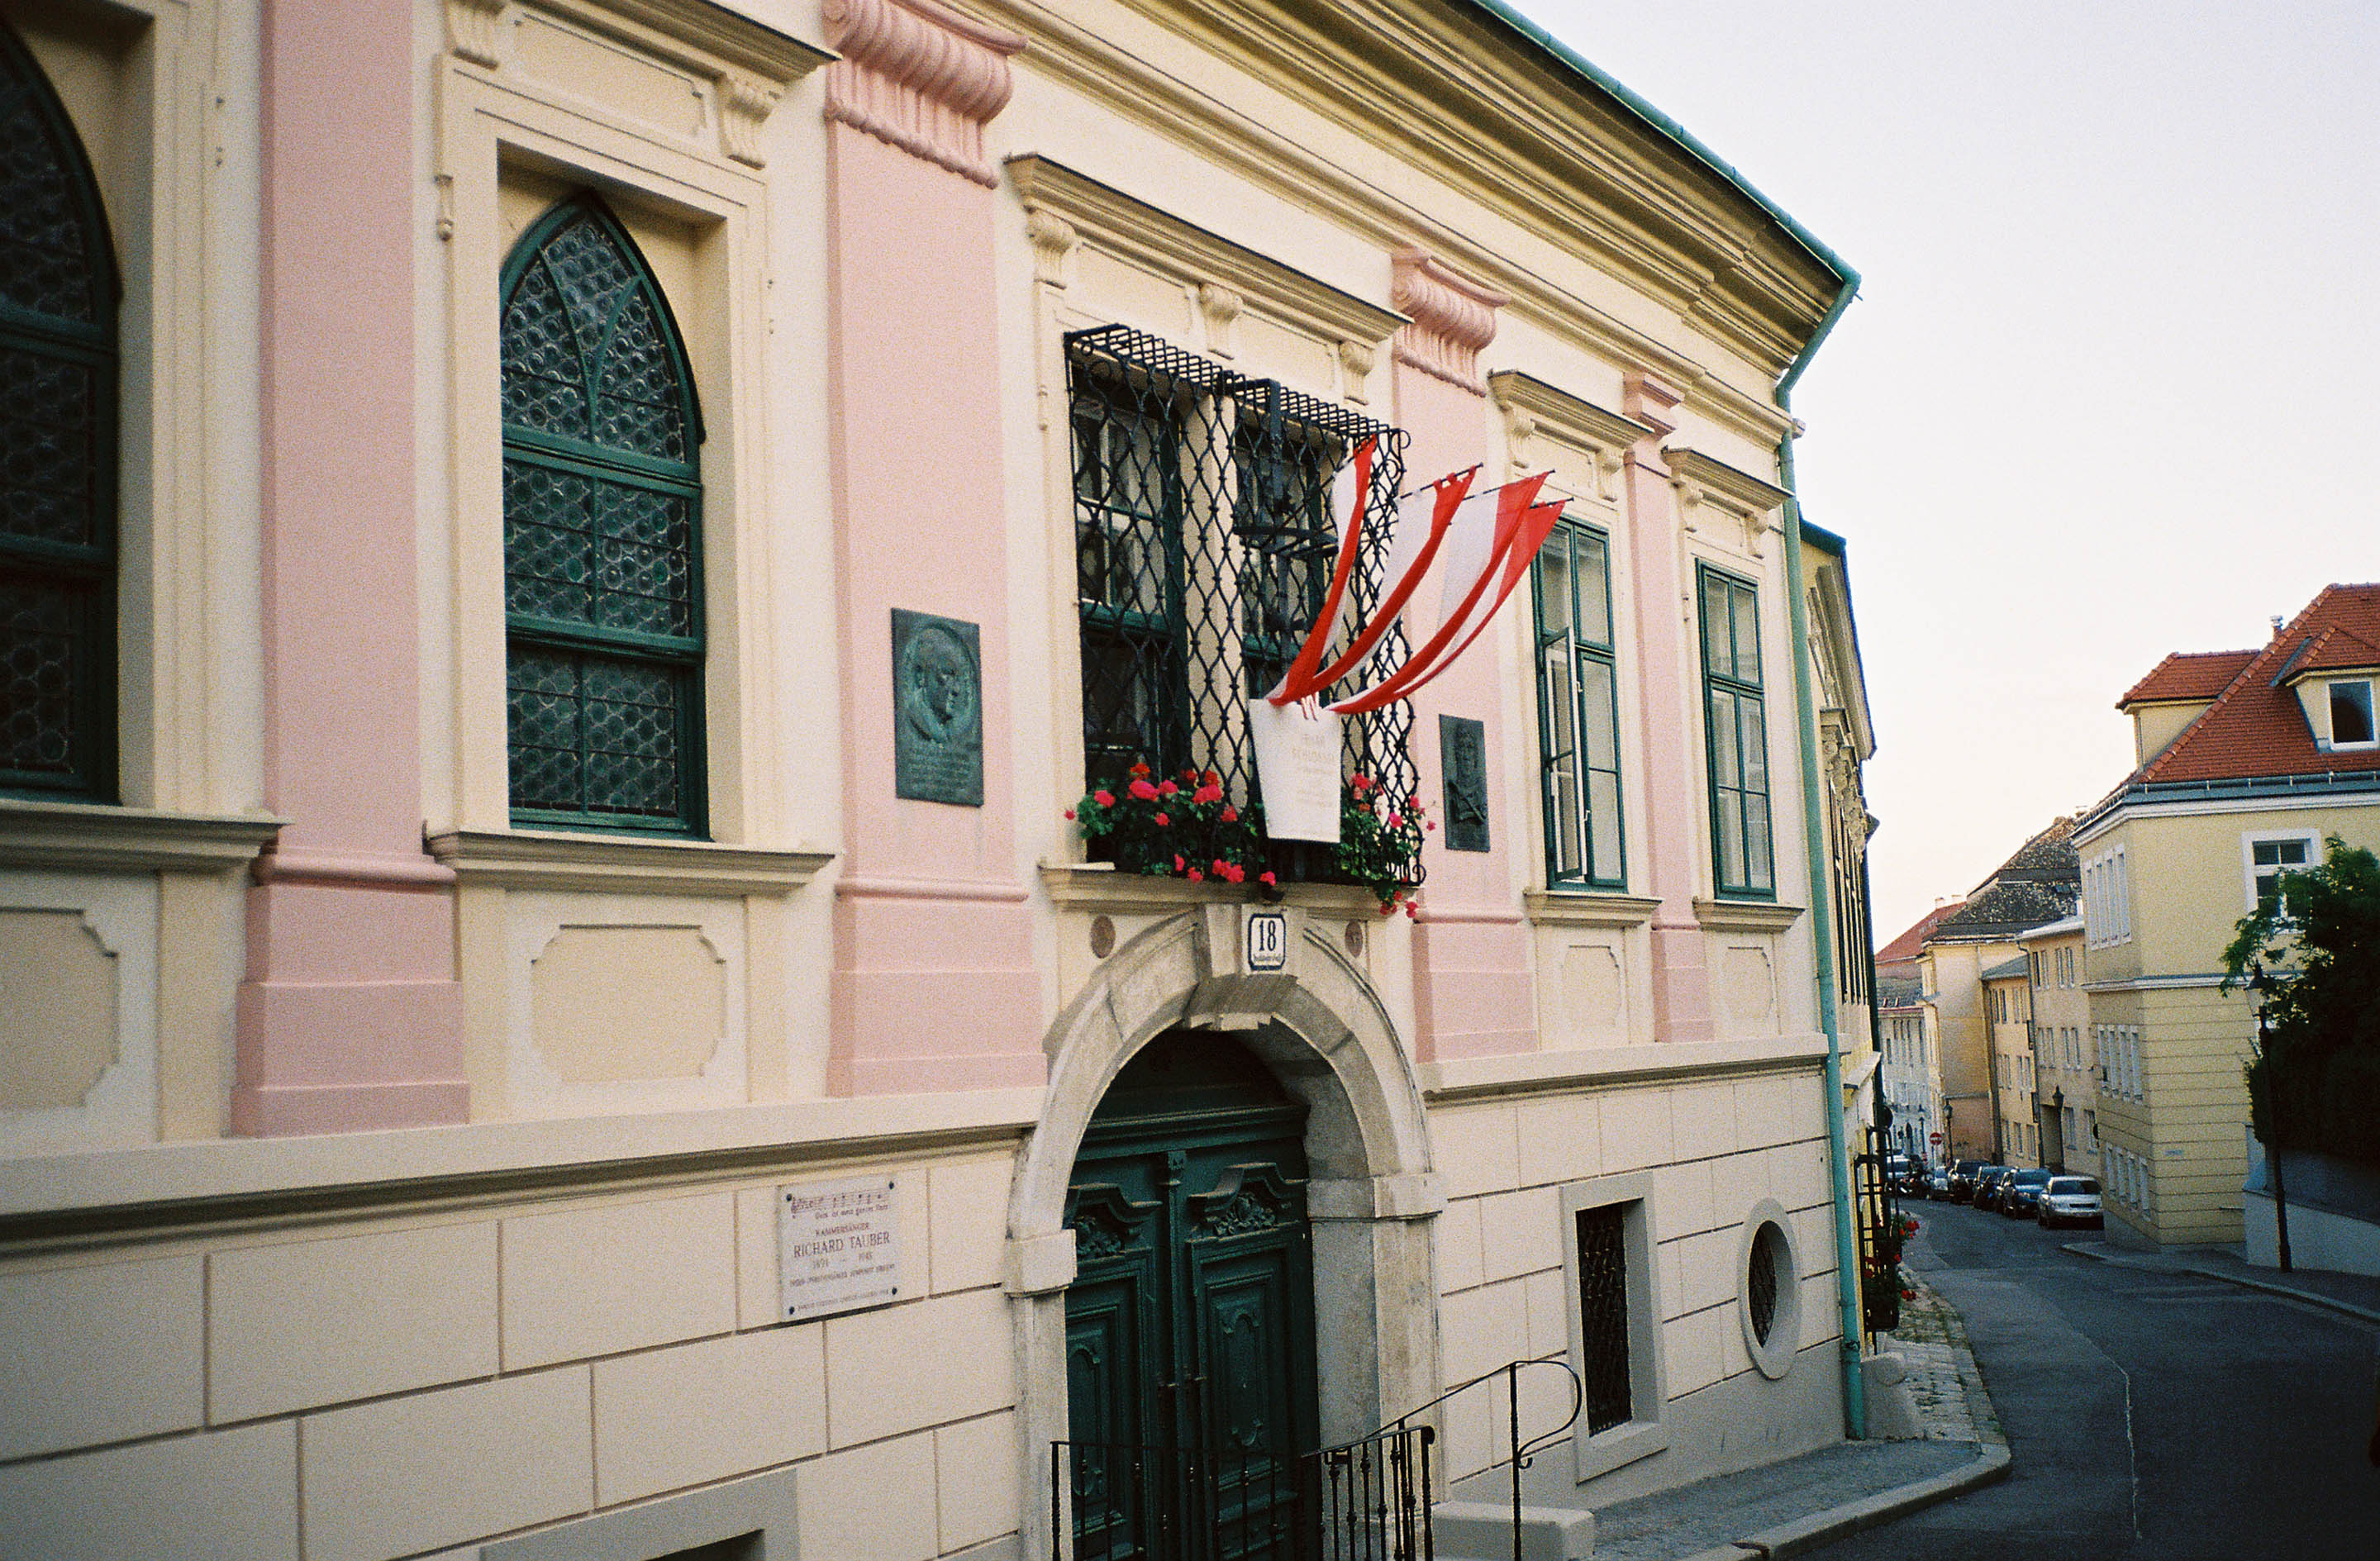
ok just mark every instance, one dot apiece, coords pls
pixel 1846 1259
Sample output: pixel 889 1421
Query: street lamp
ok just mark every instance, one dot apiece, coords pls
pixel 2261 986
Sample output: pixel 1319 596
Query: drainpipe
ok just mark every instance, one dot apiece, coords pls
pixel 1846 1259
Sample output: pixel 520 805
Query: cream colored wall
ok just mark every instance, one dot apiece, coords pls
pixel 1714 1148
pixel 428 1377
pixel 2155 726
pixel 2013 1077
pixel 2056 1008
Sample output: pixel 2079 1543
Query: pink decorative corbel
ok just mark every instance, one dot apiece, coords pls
pixel 1453 318
pixel 919 76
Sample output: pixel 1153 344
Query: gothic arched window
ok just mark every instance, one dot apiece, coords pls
pixel 58 293
pixel 602 525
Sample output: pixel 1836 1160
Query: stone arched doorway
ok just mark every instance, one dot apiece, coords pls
pixel 1323 1035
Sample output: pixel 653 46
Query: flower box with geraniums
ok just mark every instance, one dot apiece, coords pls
pixel 1185 829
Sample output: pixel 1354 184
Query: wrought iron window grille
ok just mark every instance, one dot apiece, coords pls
pixel 1204 548
pixel 1609 1380
pixel 58 427
pixel 602 525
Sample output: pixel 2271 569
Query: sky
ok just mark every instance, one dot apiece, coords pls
pixel 2111 388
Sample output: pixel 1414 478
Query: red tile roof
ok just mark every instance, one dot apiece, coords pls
pixel 2334 648
pixel 2188 676
pixel 2256 726
pixel 1907 945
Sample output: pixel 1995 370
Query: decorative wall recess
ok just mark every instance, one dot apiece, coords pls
pixel 1452 319
pixel 1463 762
pixel 937 709
pixel 1103 936
pixel 917 75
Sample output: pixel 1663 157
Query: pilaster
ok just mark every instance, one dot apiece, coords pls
pixel 1472 989
pixel 1668 674
pixel 935 986
pixel 350 1016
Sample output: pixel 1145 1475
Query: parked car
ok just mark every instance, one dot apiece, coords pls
pixel 2071 1200
pixel 2020 1193
pixel 1987 1185
pixel 1962 1179
pixel 1937 1184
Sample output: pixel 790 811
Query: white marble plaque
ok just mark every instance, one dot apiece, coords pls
pixel 1297 764
pixel 838 1248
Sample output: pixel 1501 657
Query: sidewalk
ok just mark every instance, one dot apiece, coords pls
pixel 2357 1295
pixel 1786 1509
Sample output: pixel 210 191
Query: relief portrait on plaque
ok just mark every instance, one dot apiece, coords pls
pixel 1463 759
pixel 938 710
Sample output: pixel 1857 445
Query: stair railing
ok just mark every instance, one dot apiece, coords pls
pixel 1523 1452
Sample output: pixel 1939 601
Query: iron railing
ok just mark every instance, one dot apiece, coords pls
pixel 1204 548
pixel 1878 1218
pixel 1522 1453
pixel 1362 1501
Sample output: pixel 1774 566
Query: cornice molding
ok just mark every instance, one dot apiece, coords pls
pixel 1453 319
pixel 1063 209
pixel 748 63
pixel 1532 407
pixel 87 837
pixel 619 864
pixel 1091 65
pixel 1578 908
pixel 1097 888
pixel 919 76
pixel 1744 915
pixel 1745 499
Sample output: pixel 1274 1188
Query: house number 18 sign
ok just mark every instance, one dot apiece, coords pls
pixel 1268 935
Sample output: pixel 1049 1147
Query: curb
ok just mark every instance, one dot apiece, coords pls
pixel 1990 1465
pixel 2286 1293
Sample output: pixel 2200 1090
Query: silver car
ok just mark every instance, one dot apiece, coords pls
pixel 2071 1200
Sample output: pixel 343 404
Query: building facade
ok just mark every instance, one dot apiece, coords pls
pixel 583 555
pixel 2249 761
pixel 1908 1081
pixel 2065 1056
pixel 2008 1011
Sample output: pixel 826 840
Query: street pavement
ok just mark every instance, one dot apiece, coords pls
pixel 2153 1413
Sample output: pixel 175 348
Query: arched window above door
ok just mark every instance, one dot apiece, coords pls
pixel 58 293
pixel 603 535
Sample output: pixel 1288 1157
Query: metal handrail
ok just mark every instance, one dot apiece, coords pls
pixel 1521 1451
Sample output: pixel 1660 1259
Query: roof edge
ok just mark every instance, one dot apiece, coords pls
pixel 1505 14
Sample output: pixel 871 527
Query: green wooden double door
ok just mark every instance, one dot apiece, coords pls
pixel 1190 1322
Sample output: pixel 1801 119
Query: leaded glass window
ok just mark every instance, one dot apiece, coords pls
pixel 602 536
pixel 1578 710
pixel 57 448
pixel 1736 731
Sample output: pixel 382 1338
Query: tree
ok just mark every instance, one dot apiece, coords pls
pixel 2315 948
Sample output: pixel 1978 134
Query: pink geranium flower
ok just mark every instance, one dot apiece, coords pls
pixel 1162 821
pixel 1144 790
pixel 1166 788
pixel 1266 879
pixel 1208 794
pixel 1105 799
pixel 1196 877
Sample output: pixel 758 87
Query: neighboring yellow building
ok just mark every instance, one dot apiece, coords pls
pixel 2008 1011
pixel 2066 1089
pixel 1846 741
pixel 2249 760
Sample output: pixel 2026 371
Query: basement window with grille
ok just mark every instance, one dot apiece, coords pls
pixel 1203 548
pixel 1615 1321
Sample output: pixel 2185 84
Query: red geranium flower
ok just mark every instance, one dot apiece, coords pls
pixel 1231 814
pixel 1178 863
pixel 1070 813
pixel 1196 877
pixel 1266 879
pixel 1140 769
pixel 1208 794
pixel 1105 799
pixel 1213 778
pixel 1166 788
pixel 1162 821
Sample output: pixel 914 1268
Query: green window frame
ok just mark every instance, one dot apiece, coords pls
pixel 1578 711
pixel 603 622
pixel 58 443
pixel 1735 735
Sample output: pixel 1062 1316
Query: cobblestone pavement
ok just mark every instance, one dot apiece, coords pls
pixel 1952 1402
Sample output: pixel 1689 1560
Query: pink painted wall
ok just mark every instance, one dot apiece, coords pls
pixel 1669 673
pixel 1473 995
pixel 935 986
pixel 350 1016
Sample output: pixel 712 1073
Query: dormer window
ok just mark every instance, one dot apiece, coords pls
pixel 2350 714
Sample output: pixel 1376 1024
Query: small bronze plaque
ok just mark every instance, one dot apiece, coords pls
pixel 1463 759
pixel 937 709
